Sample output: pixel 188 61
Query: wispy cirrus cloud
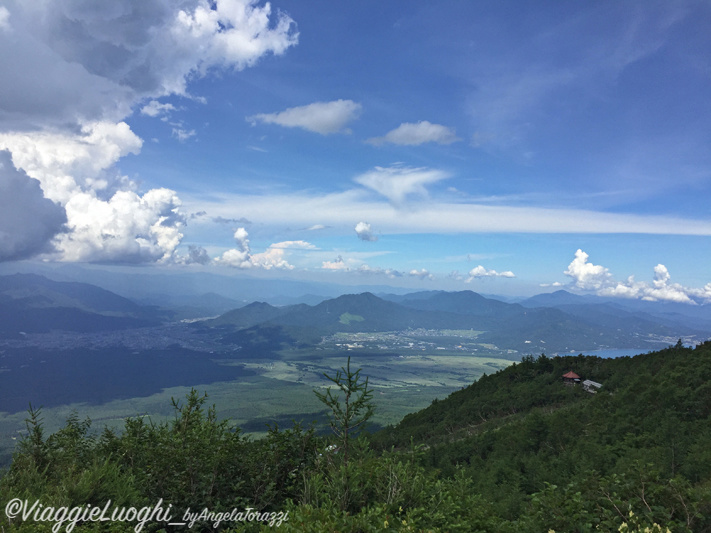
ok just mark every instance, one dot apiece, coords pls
pixel 511 105
pixel 320 117
pixel 182 134
pixel 399 184
pixel 294 245
pixel 338 210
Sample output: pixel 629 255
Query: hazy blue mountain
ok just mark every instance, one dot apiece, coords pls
pixel 402 298
pixel 309 299
pixel 32 303
pixel 465 303
pixel 251 315
pixel 611 316
pixel 554 299
pixel 303 325
pixel 635 315
pixel 558 321
pixel 38 291
pixel 166 287
pixel 20 316
pixel 190 307
pixel 673 312
pixel 505 325
pixel 516 327
pixel 367 312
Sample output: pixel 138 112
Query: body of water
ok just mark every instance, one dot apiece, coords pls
pixel 611 353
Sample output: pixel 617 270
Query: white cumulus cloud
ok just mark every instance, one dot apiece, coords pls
pixel 274 257
pixel 587 276
pixel 107 219
pixel 421 274
pixel 364 232
pixel 154 109
pixel 414 134
pixel 320 117
pixel 481 272
pixel 95 64
pixel 67 164
pixel 271 258
pixel 337 264
pixel 126 228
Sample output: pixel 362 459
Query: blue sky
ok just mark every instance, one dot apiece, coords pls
pixel 503 147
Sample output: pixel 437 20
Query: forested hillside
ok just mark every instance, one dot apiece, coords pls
pixel 519 450
pixel 523 430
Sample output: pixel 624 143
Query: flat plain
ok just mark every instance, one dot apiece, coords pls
pixel 406 371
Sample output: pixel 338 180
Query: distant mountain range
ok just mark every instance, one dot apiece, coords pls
pixel 555 322
pixel 523 327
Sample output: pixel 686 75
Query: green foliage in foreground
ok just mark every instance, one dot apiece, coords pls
pixel 517 451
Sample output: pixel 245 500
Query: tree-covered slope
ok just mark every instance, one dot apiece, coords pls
pixel 522 429
pixel 674 381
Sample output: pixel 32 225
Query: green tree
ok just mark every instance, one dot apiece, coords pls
pixel 350 413
pixel 190 462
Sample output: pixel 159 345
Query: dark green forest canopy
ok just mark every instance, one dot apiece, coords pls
pixel 518 450
pixel 673 382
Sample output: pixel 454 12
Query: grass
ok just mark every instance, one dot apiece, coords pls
pixel 347 318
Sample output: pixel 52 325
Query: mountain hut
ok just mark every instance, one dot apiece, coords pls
pixel 571 378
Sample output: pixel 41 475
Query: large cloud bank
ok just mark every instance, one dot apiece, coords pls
pixel 78 70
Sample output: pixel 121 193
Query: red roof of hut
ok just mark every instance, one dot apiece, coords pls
pixel 571 375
